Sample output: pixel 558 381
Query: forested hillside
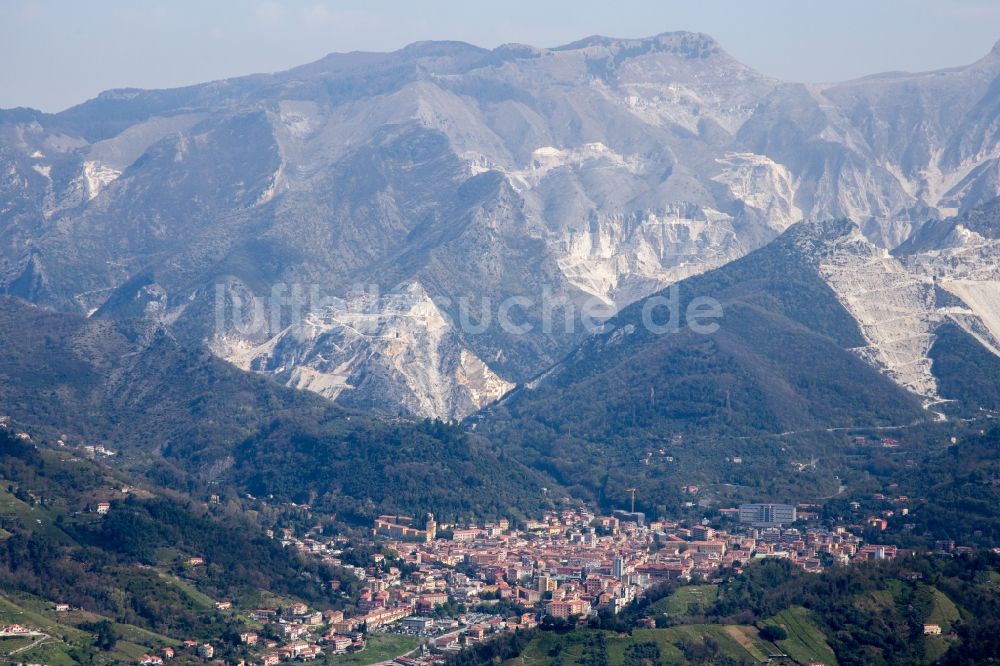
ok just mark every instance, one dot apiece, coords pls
pixel 186 419
pixel 128 572
pixel 779 363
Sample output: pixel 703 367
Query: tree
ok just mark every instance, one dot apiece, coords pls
pixel 773 632
pixel 105 634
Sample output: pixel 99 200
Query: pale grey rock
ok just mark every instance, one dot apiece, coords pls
pixel 601 171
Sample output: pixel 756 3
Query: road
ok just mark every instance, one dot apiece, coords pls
pixel 41 639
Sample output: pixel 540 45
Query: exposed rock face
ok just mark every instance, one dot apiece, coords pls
pixel 894 308
pixel 949 271
pixel 962 256
pixel 603 170
pixel 396 351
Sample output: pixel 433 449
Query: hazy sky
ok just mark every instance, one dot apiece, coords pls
pixel 54 54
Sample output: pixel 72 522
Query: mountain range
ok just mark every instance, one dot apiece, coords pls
pixel 376 193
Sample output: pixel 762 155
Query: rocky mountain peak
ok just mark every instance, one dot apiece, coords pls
pixel 604 169
pixel 681 43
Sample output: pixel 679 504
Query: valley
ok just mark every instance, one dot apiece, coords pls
pixel 613 353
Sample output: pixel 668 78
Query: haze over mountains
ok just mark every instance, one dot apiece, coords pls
pixel 401 185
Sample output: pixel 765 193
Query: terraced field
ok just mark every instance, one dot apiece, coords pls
pixel 381 647
pixel 687 600
pixel 806 643
pixel 64 638
pixel 945 614
pixel 739 642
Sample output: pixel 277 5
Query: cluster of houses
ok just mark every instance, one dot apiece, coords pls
pixel 306 634
pixel 569 563
pixel 575 562
pixel 8 630
pixel 94 450
pixel 202 650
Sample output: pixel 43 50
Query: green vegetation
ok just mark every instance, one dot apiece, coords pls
pixel 773 632
pixel 78 637
pixel 190 591
pixel 691 600
pixel 765 388
pixel 966 371
pixel 179 416
pixel 780 362
pixel 953 496
pixel 359 469
pixel 134 593
pixel 944 612
pixel 803 640
pixel 19 612
pixel 54 653
pixel 131 387
pixel 848 616
pixel 684 644
pixel 693 639
pixel 380 647
pixel 871 613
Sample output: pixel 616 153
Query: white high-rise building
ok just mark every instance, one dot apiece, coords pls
pixel 767 515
